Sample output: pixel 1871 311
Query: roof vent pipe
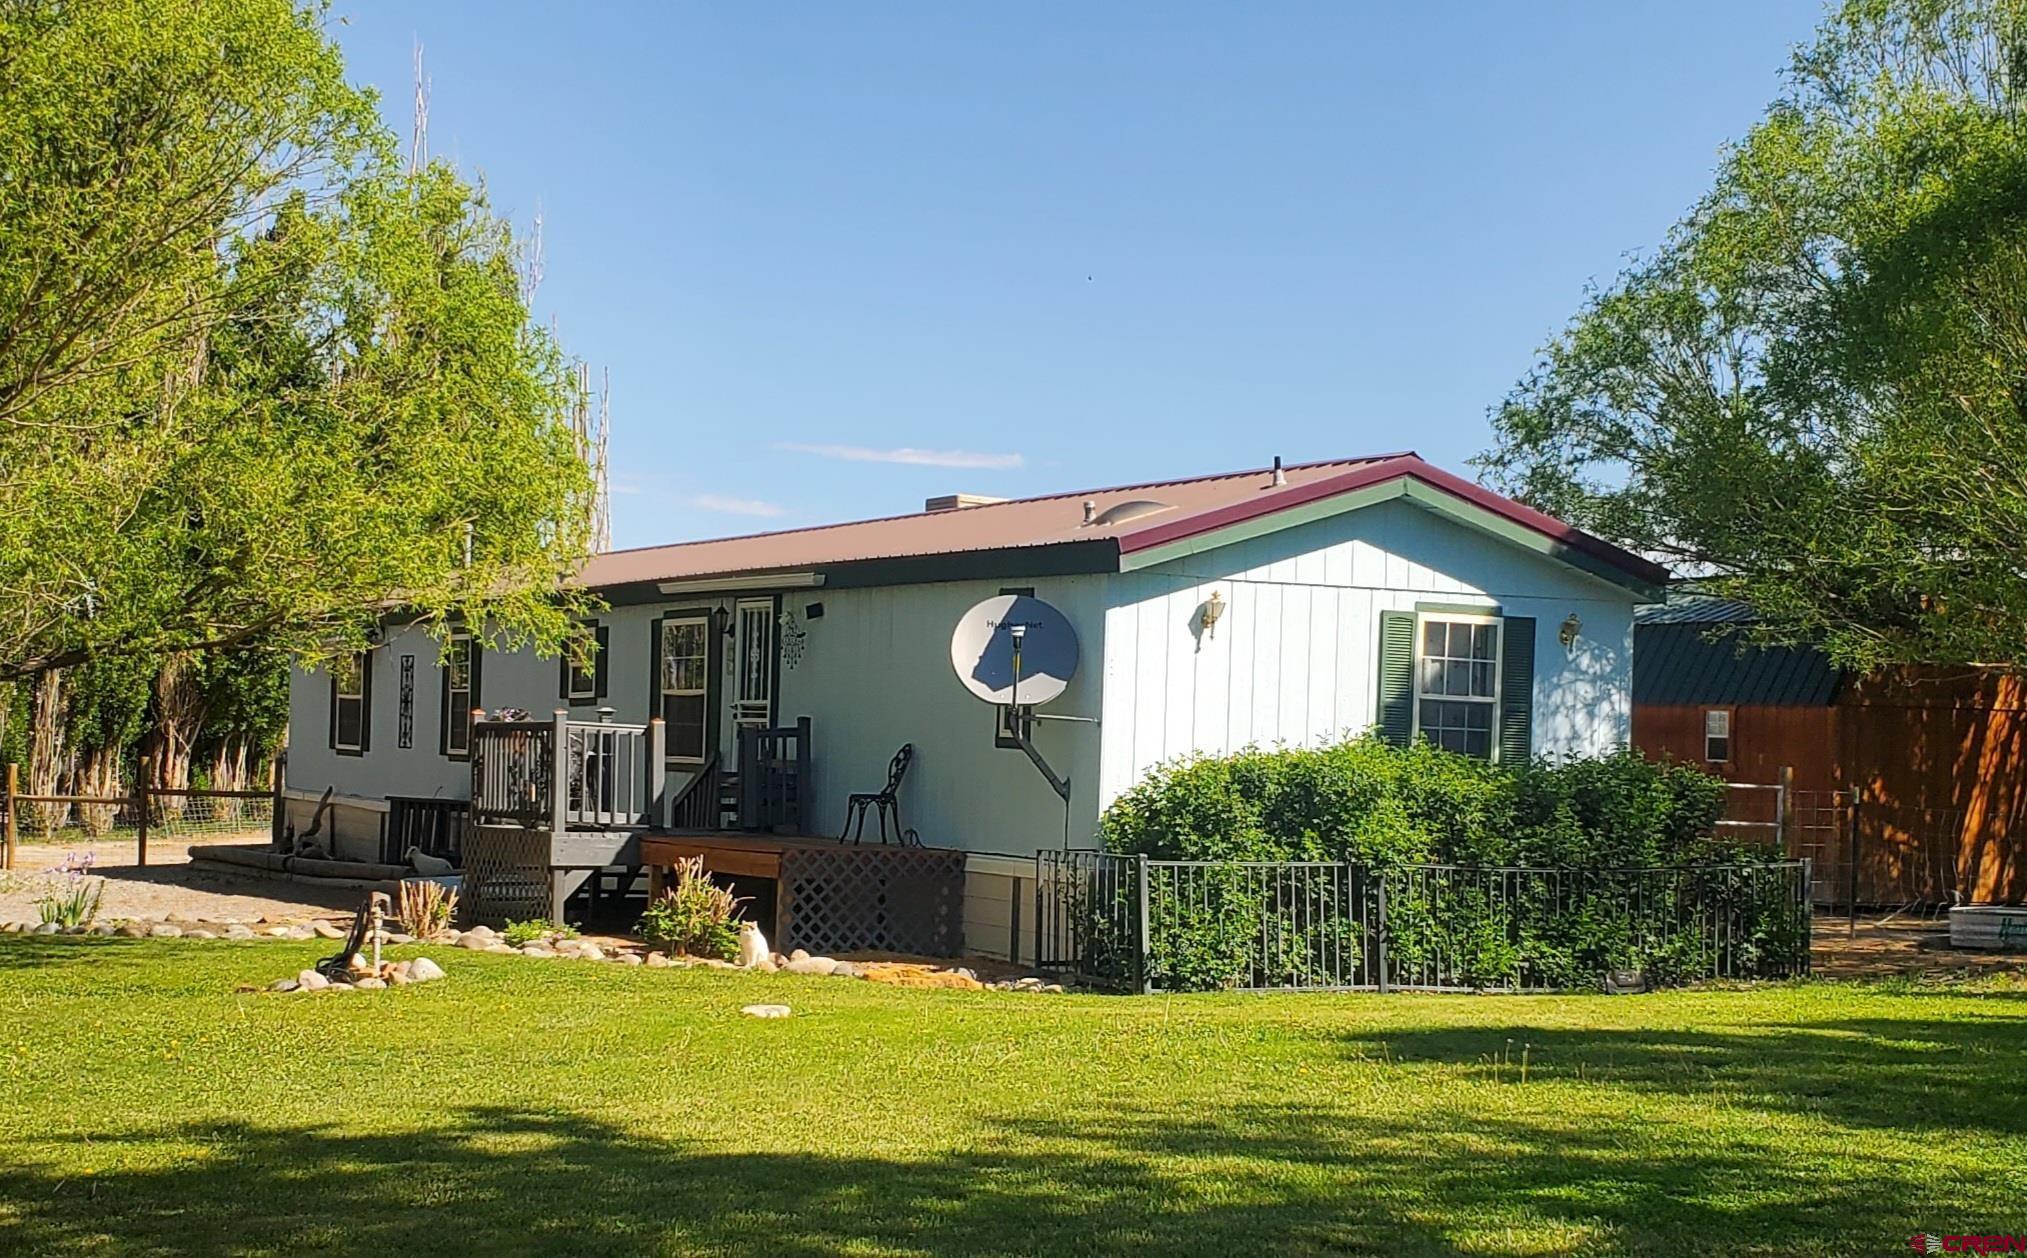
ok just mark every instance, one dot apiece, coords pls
pixel 1280 477
pixel 1090 511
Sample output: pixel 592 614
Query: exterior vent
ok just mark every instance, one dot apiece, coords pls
pixel 957 502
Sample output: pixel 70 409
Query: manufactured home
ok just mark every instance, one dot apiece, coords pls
pixel 745 689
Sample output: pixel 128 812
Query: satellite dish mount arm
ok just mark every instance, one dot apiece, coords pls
pixel 1061 785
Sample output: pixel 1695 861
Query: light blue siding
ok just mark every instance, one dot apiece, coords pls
pixel 1293 659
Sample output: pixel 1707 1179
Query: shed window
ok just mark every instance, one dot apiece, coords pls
pixel 685 683
pixel 1717 735
pixel 1457 683
pixel 348 703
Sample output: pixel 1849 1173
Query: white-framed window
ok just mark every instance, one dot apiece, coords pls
pixel 685 686
pixel 1457 682
pixel 1717 735
pixel 348 703
pixel 460 695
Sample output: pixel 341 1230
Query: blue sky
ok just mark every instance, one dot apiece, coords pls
pixel 839 258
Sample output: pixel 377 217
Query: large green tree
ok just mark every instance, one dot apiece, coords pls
pixel 258 382
pixel 1814 395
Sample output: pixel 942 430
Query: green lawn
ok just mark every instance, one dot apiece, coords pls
pixel 570 1107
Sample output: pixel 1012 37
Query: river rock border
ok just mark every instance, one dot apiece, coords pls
pixel 487 940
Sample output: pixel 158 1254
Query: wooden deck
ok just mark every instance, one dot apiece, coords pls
pixel 739 853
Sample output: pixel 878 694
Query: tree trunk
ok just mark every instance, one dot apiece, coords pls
pixel 48 753
pixel 98 773
pixel 179 714
pixel 228 773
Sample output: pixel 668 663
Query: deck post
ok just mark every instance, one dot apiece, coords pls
pixel 658 775
pixel 803 761
pixel 559 806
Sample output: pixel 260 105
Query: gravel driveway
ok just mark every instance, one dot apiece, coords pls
pixel 167 887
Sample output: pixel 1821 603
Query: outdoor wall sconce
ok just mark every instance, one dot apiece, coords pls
pixel 1567 635
pixel 1213 610
pixel 721 619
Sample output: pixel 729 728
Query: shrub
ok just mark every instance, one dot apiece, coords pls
pixel 696 916
pixel 73 896
pixel 424 909
pixel 536 930
pixel 1369 804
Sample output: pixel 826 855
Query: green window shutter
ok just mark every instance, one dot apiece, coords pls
pixel 1516 691
pixel 1397 677
pixel 598 661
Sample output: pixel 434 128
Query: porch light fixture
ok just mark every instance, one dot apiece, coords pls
pixel 1572 625
pixel 1213 611
pixel 721 619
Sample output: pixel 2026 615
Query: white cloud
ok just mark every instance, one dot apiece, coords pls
pixel 905 454
pixel 737 506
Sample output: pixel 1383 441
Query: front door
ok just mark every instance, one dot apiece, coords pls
pixel 753 651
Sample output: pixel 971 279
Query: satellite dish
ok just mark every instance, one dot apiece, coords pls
pixel 982 650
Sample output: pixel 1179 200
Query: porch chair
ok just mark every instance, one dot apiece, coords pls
pixel 884 802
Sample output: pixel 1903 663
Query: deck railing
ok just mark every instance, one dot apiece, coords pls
pixel 609 775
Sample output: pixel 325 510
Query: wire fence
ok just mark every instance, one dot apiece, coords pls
pixel 141 817
pixel 1138 924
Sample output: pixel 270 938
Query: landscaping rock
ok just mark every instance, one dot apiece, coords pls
pixel 276 932
pixel 765 1011
pixel 797 955
pixel 370 984
pixel 283 985
pixel 104 929
pixel 811 965
pixel 47 928
pixel 537 950
pixel 716 964
pixel 657 961
pixel 300 932
pixel 475 943
pixel 499 946
pixel 311 981
pixel 400 937
pixel 198 933
pixel 165 930
pixel 339 987
pixel 423 970
pixel 1029 984
pixel 134 930
pixel 1053 989
pixel 847 969
pixel 237 931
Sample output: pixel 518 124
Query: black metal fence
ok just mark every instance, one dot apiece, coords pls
pixel 1148 925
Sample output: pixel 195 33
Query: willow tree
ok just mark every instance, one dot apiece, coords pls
pixel 1814 395
pixel 258 382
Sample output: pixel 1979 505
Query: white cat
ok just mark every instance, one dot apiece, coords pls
pixel 753 952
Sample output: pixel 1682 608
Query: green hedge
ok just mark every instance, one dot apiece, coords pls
pixel 1390 811
pixel 1369 803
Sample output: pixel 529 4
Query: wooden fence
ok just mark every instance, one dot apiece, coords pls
pixel 145 808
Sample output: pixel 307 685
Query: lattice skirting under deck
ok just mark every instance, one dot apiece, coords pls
pixel 506 875
pixel 866 899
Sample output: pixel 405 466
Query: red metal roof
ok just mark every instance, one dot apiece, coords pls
pixel 1188 508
